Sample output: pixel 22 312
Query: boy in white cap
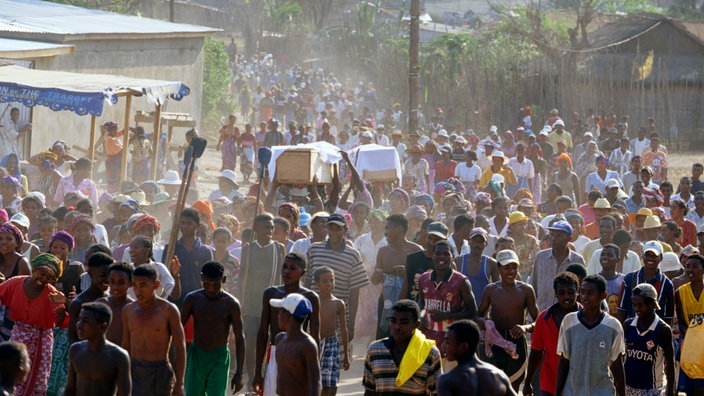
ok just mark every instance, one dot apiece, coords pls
pixel 509 299
pixel 297 365
pixel 650 273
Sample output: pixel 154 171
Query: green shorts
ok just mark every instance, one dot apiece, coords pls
pixel 207 371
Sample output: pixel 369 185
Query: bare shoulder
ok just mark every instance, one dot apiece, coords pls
pixel 272 292
pixel 77 347
pixel 309 294
pixel 103 300
pixel 413 247
pixel 526 287
pixel 115 351
pixel 384 249
pixel 167 306
pixel 130 307
pixel 339 304
pixel 230 299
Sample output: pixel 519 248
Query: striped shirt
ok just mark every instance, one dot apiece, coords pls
pixel 380 372
pixel 348 267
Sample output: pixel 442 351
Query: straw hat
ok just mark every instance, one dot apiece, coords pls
pixel 651 222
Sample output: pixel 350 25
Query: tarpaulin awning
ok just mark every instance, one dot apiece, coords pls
pixel 81 93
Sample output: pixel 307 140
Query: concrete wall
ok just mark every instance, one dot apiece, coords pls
pixel 164 59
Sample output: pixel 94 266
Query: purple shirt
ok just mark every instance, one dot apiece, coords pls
pixel 191 263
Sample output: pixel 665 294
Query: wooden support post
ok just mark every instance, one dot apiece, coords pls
pixel 91 145
pixel 157 140
pixel 126 138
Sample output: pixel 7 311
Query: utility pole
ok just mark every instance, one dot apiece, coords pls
pixel 414 68
pixel 171 10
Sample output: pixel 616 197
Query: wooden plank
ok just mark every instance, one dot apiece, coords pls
pixel 98 155
pixel 126 138
pixel 91 144
pixel 157 139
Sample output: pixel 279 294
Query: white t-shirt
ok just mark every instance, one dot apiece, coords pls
pixel 630 264
pixel 466 174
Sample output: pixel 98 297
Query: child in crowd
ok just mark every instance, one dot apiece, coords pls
pixel 119 280
pixel 332 315
pixel 297 353
pixel 14 366
pixel 96 365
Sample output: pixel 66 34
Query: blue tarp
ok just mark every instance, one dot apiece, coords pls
pixel 82 94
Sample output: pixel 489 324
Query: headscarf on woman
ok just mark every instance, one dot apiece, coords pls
pixel 16 233
pixel 205 208
pixel 50 261
pixel 5 160
pixel 293 208
pixel 378 214
pixel 64 237
pixel 145 221
pixel 82 219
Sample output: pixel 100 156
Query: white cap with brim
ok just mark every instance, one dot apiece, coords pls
pixel 295 304
pixel 507 257
pixel 653 246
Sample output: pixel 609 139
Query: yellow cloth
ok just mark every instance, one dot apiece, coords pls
pixel 414 357
pixel 692 352
pixel 507 173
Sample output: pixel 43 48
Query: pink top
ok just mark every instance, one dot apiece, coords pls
pixel 85 187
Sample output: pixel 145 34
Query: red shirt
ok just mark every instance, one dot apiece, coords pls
pixel 444 171
pixel 545 336
pixel 37 312
pixel 689 233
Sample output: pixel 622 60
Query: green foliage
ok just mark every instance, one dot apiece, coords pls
pixel 217 100
pixel 286 14
pixel 627 6
pixel 612 6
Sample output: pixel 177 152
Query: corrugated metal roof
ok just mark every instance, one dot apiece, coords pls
pixel 10 45
pixel 34 16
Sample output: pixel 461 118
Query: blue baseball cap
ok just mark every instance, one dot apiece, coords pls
pixel 295 304
pixel 561 225
pixel 337 219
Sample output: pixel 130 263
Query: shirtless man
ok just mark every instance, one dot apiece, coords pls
pixel 509 299
pixel 150 326
pixel 292 270
pixel 391 267
pixel 98 270
pixel 97 366
pixel 214 313
pixel 472 376
pixel 120 280
pixel 298 369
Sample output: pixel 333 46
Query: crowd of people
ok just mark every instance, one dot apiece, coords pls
pixel 534 260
